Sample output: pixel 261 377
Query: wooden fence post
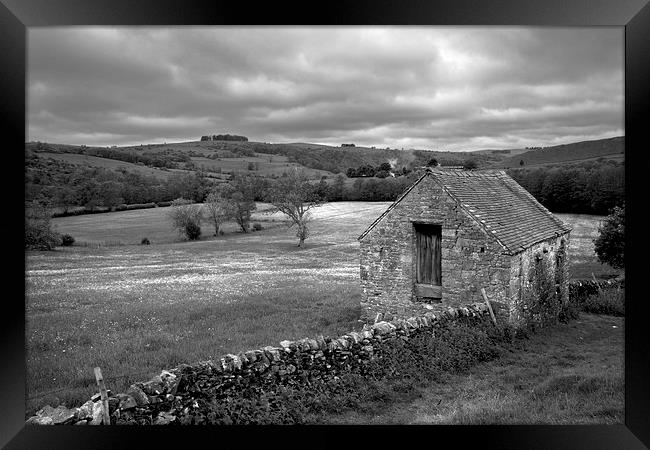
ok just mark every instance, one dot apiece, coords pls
pixel 593 277
pixel 106 418
pixel 487 302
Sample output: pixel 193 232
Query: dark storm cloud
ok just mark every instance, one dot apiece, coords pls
pixel 423 87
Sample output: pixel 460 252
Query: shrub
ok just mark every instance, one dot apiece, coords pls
pixel 162 204
pixel 121 207
pixel 186 218
pixel 581 289
pixel 569 311
pixel 470 164
pixel 67 240
pixel 610 243
pixel 38 232
pixel 140 206
pixel 192 231
pixel 257 226
pixel 145 241
pixel 609 301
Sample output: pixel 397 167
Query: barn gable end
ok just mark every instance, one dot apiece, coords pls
pixel 488 230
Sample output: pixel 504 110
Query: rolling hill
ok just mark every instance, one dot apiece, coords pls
pixel 222 157
pixel 612 148
pixel 219 159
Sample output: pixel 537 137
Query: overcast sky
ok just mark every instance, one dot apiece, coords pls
pixel 441 88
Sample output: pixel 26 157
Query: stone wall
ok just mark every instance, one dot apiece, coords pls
pixel 581 289
pixel 471 258
pixel 543 266
pixel 175 394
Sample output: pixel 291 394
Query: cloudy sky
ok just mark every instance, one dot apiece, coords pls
pixel 442 88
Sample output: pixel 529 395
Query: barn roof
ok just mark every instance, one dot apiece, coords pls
pixel 499 205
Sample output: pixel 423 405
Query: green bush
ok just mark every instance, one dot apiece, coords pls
pixel 610 243
pixel 257 226
pixel 192 231
pixel 145 241
pixel 38 232
pixel 608 301
pixel 67 240
pixel 569 311
pixel 140 206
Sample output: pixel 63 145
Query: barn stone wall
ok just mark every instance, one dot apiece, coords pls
pixel 544 265
pixel 471 258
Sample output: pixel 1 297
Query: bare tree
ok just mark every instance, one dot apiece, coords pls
pixel 241 193
pixel 218 207
pixel 186 218
pixel 294 196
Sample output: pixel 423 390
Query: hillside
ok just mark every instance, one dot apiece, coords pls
pixel 612 148
pixel 220 158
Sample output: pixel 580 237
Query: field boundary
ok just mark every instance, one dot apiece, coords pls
pixel 175 393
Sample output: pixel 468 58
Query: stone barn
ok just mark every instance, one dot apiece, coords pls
pixel 453 233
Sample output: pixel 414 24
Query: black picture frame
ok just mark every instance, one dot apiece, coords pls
pixel 18 15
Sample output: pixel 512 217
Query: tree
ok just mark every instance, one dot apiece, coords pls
pixel 241 192
pixel 323 189
pixel 432 162
pixel 386 167
pixel 470 164
pixel 294 196
pixel 337 191
pixel 610 243
pixel 186 218
pixel 65 197
pixel 111 193
pixel 366 171
pixel 241 210
pixel 218 207
pixel 521 162
pixel 38 232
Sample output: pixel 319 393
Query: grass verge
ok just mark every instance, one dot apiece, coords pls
pixel 132 341
pixel 566 374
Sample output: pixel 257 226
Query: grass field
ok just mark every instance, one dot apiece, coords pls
pixel 264 165
pixel 567 374
pixel 106 163
pixel 134 310
pixel 129 227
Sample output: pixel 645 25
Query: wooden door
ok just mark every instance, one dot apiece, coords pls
pixel 428 263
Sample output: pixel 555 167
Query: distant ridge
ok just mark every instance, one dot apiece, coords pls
pixel 610 148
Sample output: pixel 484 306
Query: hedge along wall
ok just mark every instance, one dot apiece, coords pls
pixel 580 290
pixel 176 395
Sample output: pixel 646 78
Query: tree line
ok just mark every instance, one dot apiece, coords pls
pixel 58 183
pixel 588 188
pixel 578 189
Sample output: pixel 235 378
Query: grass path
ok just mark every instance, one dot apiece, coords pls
pixel 568 374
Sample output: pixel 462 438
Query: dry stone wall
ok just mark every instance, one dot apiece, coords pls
pixel 581 289
pixel 175 394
